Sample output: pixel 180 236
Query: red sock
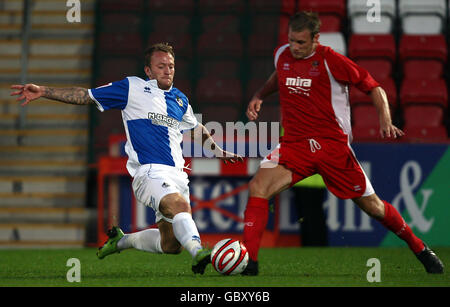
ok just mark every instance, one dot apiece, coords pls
pixel 394 222
pixel 255 219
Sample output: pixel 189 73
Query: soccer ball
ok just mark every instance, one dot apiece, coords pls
pixel 229 257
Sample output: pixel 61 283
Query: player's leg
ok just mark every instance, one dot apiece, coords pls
pixel 390 218
pixel 148 240
pixel 169 243
pixel 267 182
pixel 175 209
pixel 345 178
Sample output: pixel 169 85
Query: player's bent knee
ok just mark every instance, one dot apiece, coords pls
pixel 171 205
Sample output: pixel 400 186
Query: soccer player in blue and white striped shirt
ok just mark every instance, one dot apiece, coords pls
pixel 154 114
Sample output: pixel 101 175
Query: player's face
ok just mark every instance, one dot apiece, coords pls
pixel 301 44
pixel 162 68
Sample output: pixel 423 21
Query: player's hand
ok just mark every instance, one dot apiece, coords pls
pixel 388 130
pixel 253 108
pixel 227 156
pixel 28 92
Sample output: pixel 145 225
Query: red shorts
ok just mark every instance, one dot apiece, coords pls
pixel 334 160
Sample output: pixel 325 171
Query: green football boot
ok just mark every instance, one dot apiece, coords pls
pixel 110 246
pixel 201 260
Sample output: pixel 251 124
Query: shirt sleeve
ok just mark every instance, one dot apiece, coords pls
pixel 111 96
pixel 277 52
pixel 346 71
pixel 189 121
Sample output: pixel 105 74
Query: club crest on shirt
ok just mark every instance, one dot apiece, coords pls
pixel 314 70
pixel 179 101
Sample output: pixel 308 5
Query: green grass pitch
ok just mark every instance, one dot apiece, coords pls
pixel 279 267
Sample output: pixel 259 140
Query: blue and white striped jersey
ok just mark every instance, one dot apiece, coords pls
pixel 153 120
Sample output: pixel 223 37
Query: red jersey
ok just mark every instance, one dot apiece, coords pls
pixel 314 93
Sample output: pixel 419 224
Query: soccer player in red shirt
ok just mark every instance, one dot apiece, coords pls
pixel 312 81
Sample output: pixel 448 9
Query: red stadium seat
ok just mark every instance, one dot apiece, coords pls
pixel 113 22
pixel 379 69
pixel 366 134
pixel 220 45
pixel 423 91
pixel 283 29
pixel 335 7
pixel 219 69
pixel 261 67
pixel 415 134
pixel 183 68
pixel 171 24
pixel 288 7
pixel 183 85
pixel 223 6
pixel 261 44
pixel 254 85
pixel 181 42
pixel 218 91
pixel 220 23
pixel 272 6
pixel 330 23
pixel 365 115
pixel 423 116
pixel 265 23
pixel 116 68
pixel 120 44
pixel 171 6
pixel 372 46
pixel 219 113
pixel 269 113
pixel 423 47
pixel 423 69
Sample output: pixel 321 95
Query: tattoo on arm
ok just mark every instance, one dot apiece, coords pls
pixel 73 95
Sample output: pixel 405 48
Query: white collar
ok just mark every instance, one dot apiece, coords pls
pixel 312 54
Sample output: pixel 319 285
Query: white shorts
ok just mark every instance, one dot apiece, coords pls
pixel 154 181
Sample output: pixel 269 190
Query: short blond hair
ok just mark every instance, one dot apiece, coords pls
pixel 164 47
pixel 302 20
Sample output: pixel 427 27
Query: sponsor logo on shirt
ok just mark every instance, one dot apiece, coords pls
pixel 298 85
pixel 163 120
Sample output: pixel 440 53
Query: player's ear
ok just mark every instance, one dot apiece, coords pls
pixel 316 38
pixel 148 71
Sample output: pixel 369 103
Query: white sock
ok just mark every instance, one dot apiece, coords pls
pixel 148 240
pixel 186 232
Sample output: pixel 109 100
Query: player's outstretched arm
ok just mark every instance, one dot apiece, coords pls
pixel 30 92
pixel 201 134
pixel 270 87
pixel 387 129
